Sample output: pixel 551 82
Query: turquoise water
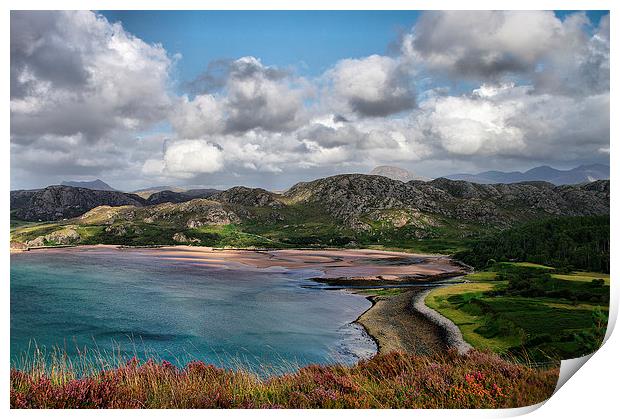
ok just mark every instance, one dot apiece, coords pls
pixel 140 304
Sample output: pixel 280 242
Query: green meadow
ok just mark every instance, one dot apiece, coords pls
pixel 528 311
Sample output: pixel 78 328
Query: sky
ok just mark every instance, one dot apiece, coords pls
pixel 267 98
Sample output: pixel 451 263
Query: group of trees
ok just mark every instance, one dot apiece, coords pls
pixel 533 282
pixel 565 243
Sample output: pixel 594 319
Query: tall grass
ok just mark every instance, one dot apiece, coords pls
pixel 395 380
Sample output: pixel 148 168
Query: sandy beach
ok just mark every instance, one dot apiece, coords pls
pixel 346 264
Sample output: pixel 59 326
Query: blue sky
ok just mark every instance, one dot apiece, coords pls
pixel 302 94
pixel 308 41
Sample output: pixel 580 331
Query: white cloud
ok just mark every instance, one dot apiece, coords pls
pixel 83 88
pixel 511 121
pixel 255 99
pixel 558 55
pixel 373 86
pixel 74 72
pixel 195 118
pixel 482 43
pixel 80 89
pixel 470 125
pixel 252 97
pixel 186 158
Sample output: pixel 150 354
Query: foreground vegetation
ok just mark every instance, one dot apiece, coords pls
pixel 528 311
pixel 395 380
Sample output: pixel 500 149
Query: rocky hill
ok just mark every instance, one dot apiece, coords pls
pixel 97 184
pixel 58 202
pixel 352 198
pixel 332 211
pixel 396 173
pixel 249 197
pixel 177 197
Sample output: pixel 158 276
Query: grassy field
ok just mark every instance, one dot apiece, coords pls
pixel 582 276
pixel 25 231
pixel 395 380
pixel 533 314
pixel 527 265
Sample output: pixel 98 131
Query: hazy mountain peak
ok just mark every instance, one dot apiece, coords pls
pixel 580 174
pixel 96 184
pixel 395 173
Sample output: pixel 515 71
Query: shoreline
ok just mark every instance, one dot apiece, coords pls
pixel 398 322
pixel 395 320
pixel 344 267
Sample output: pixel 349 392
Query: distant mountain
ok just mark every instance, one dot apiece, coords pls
pixel 60 201
pixel 97 185
pixel 396 173
pixel 581 174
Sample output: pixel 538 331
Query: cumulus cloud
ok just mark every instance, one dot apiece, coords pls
pixel 75 73
pixel 186 158
pixel 482 43
pixel 510 121
pixel 373 86
pixel 218 73
pixel 84 92
pixel 476 124
pixel 579 66
pixel 81 88
pixel 559 55
pixel 348 136
pixel 257 99
pixel 246 95
pixel 200 116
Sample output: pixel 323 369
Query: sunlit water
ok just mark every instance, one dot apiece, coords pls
pixel 178 311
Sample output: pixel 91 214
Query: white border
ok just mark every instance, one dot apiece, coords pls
pixel 591 393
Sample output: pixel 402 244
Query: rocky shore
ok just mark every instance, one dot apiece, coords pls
pixel 400 321
pixel 396 326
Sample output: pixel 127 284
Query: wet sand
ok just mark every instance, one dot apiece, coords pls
pixel 350 264
pixel 341 264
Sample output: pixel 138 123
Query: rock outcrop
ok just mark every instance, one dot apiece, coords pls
pixel 249 197
pixel 353 197
pixel 67 235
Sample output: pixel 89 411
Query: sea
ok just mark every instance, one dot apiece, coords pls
pixel 115 304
